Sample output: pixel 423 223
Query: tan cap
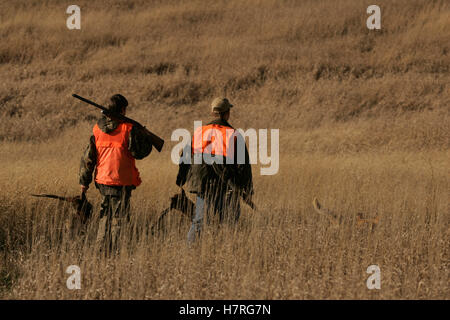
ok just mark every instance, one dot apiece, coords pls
pixel 220 105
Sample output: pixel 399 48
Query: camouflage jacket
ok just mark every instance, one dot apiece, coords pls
pixel 139 146
pixel 219 178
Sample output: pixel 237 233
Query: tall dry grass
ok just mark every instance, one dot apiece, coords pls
pixel 363 119
pixel 290 64
pixel 284 250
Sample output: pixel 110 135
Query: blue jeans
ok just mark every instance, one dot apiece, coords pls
pixel 227 207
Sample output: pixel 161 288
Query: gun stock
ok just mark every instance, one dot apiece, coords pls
pixel 156 141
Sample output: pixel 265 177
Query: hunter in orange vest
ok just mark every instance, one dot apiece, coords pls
pixel 111 158
pixel 217 173
pixel 115 164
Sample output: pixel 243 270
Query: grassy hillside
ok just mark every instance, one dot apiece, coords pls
pixel 294 65
pixel 364 126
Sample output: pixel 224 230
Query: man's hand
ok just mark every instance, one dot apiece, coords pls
pixel 84 189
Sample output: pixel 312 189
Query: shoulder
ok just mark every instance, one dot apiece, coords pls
pixel 128 125
pixel 95 129
pixel 221 122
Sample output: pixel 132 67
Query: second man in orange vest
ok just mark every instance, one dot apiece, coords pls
pixel 219 170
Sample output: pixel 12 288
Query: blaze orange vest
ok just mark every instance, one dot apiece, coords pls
pixel 213 139
pixel 115 164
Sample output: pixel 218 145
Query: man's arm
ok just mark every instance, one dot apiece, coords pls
pixel 184 166
pixel 87 164
pixel 139 144
pixel 244 177
pixel 243 171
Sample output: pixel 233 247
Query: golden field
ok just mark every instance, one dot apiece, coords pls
pixel 364 126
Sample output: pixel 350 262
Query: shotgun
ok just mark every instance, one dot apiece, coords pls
pixel 155 140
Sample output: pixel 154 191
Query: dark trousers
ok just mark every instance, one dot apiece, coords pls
pixel 114 213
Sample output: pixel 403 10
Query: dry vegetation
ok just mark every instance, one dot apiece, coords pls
pixel 363 118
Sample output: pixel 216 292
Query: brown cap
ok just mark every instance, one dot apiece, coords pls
pixel 220 105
